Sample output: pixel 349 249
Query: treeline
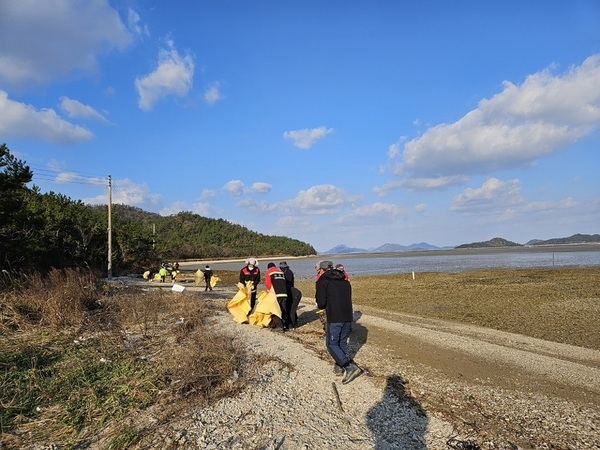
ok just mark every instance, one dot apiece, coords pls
pixel 44 231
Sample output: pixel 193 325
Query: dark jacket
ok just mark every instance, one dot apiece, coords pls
pixel 334 294
pixel 250 275
pixel 275 279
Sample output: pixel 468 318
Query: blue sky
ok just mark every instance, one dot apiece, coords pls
pixel 332 122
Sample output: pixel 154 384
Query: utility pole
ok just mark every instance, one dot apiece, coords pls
pixel 109 274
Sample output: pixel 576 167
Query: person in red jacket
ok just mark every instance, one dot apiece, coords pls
pixel 251 272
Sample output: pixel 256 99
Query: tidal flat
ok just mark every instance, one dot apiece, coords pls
pixel 554 304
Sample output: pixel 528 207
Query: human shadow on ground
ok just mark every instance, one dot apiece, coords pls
pixel 359 335
pixel 397 420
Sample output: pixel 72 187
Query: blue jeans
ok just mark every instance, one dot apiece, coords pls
pixel 336 342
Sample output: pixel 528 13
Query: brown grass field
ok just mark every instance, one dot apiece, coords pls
pixel 557 304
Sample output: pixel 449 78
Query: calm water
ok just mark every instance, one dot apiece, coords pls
pixel 435 261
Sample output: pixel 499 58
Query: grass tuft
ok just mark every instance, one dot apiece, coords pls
pixel 76 362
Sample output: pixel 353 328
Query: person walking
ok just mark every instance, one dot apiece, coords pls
pixel 275 281
pixel 208 273
pixel 334 295
pixel 251 272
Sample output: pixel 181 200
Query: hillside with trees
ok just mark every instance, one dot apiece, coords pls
pixel 39 232
pixel 495 242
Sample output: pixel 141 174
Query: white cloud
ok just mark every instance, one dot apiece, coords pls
pixel 77 110
pixel 543 115
pixel 21 120
pixel 133 22
pixel 127 192
pixel 419 184
pixel 421 207
pixel 172 76
pixel 536 207
pixel 212 94
pixel 208 194
pixel 41 41
pixel 235 187
pixel 70 177
pixel 322 199
pixel 261 187
pixel 251 205
pixel 492 195
pixel 306 137
pixel 202 208
pixel 393 150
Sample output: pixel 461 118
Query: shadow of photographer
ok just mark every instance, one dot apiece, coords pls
pixel 397 420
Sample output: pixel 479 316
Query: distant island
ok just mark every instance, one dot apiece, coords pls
pixel 496 242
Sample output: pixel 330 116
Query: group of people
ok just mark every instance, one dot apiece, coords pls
pixel 333 295
pixel 280 280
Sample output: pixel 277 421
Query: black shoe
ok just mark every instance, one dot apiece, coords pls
pixel 352 372
pixel 338 370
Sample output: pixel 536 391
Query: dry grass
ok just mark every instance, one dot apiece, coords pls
pixel 558 304
pixel 75 362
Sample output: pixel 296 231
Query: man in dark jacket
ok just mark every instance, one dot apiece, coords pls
pixel 334 295
pixel 291 317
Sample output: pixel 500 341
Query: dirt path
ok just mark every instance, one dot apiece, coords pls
pixel 468 353
pixel 494 386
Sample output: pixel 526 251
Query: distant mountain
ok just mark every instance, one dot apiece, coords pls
pixel 499 242
pixel 344 249
pixel 389 248
pixel 575 239
pixel 385 248
pixel 495 242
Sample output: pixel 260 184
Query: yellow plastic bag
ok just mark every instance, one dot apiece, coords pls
pixel 239 305
pixel 266 307
pixel 214 280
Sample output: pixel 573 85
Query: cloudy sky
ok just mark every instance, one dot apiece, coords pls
pixel 333 122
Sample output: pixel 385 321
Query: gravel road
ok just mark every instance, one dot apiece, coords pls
pixel 429 384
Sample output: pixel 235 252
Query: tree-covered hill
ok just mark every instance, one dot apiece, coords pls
pixel 39 232
pixel 190 236
pixel 495 242
pixel 575 239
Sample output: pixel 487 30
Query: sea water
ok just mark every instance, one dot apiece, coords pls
pixel 431 261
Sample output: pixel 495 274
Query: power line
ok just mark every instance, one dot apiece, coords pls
pixel 46 169
pixel 68 177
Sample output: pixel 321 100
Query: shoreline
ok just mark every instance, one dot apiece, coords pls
pixel 558 248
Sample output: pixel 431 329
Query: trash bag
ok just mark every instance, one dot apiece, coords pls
pixel 239 305
pixel 266 307
pixel 214 280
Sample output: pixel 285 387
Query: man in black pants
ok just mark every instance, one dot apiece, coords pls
pixel 334 295
pixel 207 276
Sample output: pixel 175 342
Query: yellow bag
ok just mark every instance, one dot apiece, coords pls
pixel 239 305
pixel 266 307
pixel 214 280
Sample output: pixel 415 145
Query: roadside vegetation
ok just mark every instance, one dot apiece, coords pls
pixel 78 358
